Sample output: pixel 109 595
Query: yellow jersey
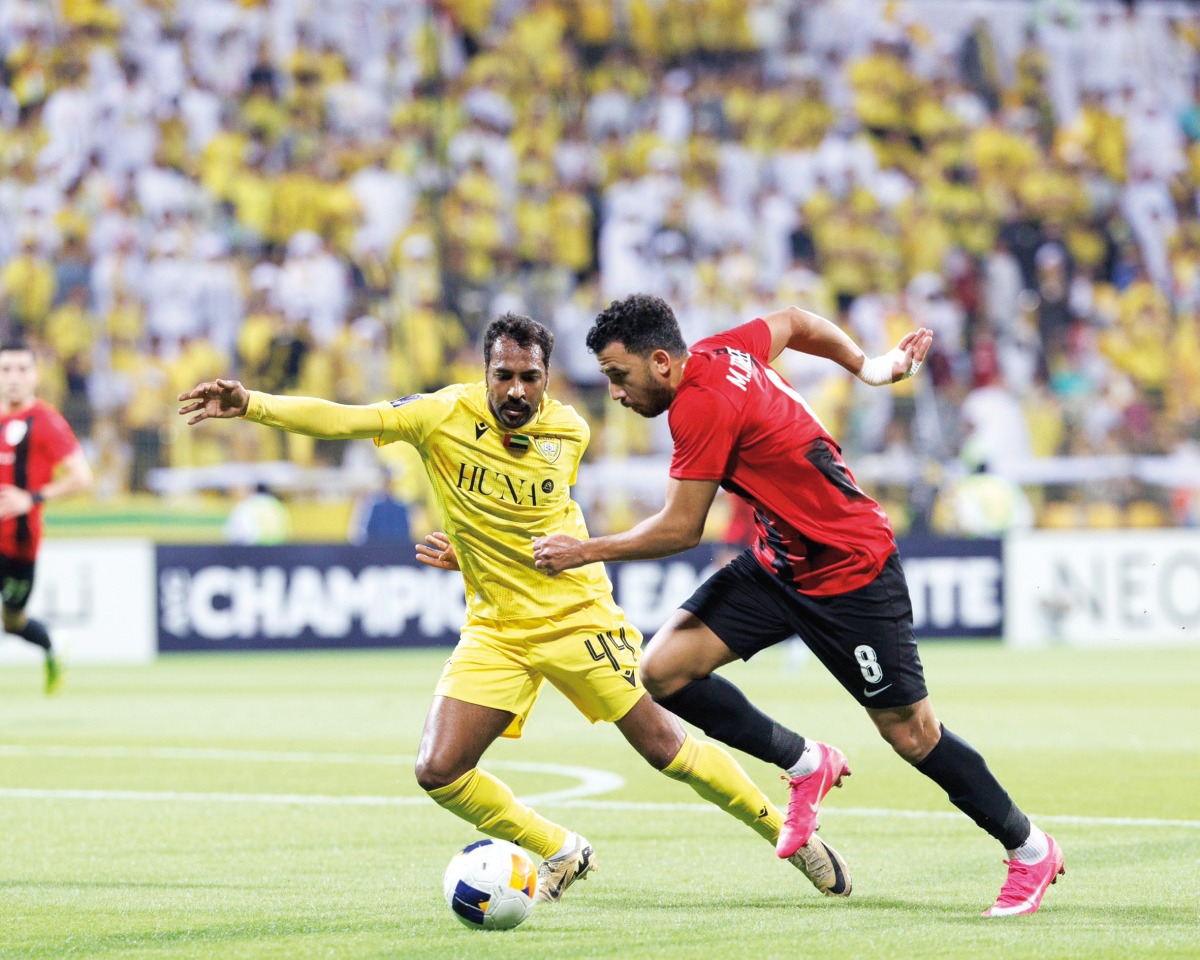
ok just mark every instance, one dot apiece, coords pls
pixel 495 494
pixel 498 490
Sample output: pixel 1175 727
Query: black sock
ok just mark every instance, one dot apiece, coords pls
pixel 35 633
pixel 722 711
pixel 959 769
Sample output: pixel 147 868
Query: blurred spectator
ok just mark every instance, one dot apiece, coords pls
pixel 380 517
pixel 148 394
pixel 979 63
pixel 985 504
pixel 313 287
pixel 994 428
pixel 258 518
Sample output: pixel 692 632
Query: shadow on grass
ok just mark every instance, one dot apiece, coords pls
pixel 815 904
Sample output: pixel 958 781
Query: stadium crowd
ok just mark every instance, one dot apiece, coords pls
pixel 333 198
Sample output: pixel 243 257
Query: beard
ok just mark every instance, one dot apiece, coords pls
pixel 512 414
pixel 653 404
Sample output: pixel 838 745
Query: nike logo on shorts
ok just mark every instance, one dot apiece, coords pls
pixel 875 693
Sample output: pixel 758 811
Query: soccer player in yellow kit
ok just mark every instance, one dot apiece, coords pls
pixel 502 456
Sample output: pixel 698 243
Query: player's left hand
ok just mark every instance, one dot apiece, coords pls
pixel 557 553
pixel 899 363
pixel 14 501
pixel 910 353
pixel 439 552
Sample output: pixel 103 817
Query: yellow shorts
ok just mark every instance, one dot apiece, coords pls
pixel 591 655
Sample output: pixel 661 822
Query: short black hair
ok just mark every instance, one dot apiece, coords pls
pixel 16 346
pixel 642 323
pixel 523 331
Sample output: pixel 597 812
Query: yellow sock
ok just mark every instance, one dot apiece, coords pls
pixel 481 799
pixel 718 778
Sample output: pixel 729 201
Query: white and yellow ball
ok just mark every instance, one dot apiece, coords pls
pixel 490 885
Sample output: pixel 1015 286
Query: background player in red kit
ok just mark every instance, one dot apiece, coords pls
pixel 823 564
pixel 40 460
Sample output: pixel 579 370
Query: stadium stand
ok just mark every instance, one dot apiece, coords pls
pixel 332 198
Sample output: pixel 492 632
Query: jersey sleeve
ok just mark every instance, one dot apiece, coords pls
pixel 59 438
pixel 753 338
pixel 704 426
pixel 412 419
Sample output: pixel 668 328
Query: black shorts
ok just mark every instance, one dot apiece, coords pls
pixel 864 637
pixel 16 582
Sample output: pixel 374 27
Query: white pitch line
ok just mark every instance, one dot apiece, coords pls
pixel 320 800
pixel 202 753
pixel 592 782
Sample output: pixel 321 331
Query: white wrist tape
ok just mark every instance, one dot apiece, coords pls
pixel 877 371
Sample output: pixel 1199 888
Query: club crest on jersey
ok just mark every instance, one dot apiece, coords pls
pixel 549 447
pixel 14 432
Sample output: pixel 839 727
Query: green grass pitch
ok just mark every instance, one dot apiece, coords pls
pixel 264 806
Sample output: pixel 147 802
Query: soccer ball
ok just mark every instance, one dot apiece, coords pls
pixel 490 885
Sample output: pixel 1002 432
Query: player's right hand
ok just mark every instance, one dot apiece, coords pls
pixel 440 552
pixel 14 501
pixel 215 400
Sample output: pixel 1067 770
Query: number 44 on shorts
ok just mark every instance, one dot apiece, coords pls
pixel 607 642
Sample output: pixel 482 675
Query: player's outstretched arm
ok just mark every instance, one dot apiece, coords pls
pixel 437 551
pixel 801 330
pixel 226 399
pixel 678 526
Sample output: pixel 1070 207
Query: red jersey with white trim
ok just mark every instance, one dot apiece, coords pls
pixel 736 421
pixel 33 442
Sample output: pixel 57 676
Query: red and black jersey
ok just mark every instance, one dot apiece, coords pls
pixel 736 421
pixel 33 442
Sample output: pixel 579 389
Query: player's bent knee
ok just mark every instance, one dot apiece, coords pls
pixel 433 773
pixel 660 753
pixel 654 686
pixel 653 732
pixel 909 741
pixel 908 749
pixel 659 679
pixel 911 731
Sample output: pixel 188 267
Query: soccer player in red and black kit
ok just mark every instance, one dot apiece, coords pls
pixel 824 564
pixel 40 460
